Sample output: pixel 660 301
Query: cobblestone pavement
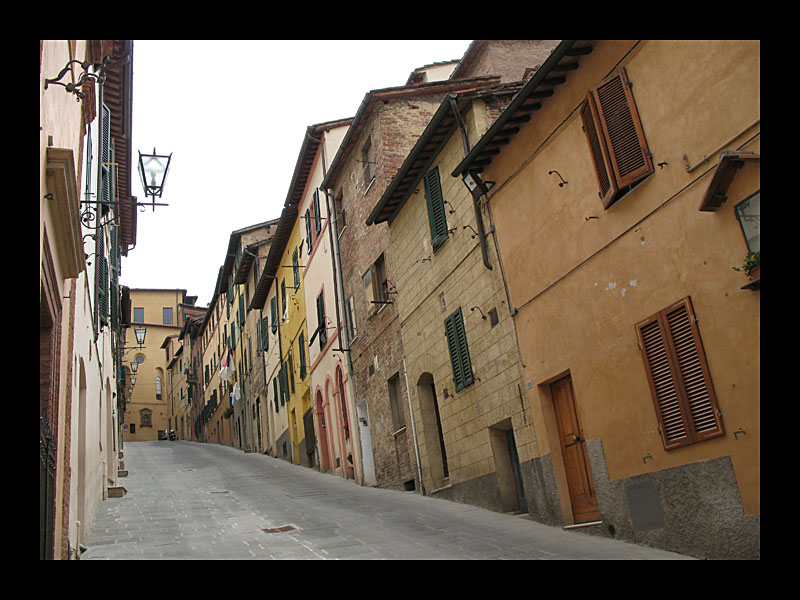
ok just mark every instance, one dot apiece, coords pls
pixel 189 500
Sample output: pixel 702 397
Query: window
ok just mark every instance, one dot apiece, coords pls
pixel 678 375
pixel 395 403
pixel 459 350
pixel 376 286
pixel 138 315
pixel 351 318
pixel 273 308
pixel 616 139
pixel 748 211
pixel 436 214
pixel 158 388
pixel 167 311
pixel 368 162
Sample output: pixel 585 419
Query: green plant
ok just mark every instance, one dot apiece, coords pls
pixel 228 412
pixel 751 261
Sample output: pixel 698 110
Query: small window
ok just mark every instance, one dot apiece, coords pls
pixel 167 311
pixel 138 315
pixel 748 211
pixel 351 318
pixel 376 286
pixel 158 388
pixel 459 350
pixel 678 375
pixel 368 162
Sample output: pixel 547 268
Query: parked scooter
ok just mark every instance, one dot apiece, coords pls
pixel 172 434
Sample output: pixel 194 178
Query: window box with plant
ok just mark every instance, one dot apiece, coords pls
pixel 752 268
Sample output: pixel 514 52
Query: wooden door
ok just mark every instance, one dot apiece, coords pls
pixel 573 449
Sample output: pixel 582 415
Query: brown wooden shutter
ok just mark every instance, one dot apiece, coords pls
pixel 622 128
pixel 600 158
pixel 615 135
pixel 678 374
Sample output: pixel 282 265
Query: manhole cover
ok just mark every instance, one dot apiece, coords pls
pixel 279 529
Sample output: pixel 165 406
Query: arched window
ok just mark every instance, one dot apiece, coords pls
pixel 158 388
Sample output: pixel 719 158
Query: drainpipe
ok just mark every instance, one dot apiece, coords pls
pixel 413 429
pixel 476 193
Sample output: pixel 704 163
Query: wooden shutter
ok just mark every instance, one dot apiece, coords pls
pixel 678 375
pixel 459 350
pixel 600 158
pixel 308 231
pixel 106 158
pixel 113 252
pixel 242 313
pixel 321 324
pixel 275 393
pixel 101 279
pixel 317 215
pixel 620 140
pixel 296 270
pixel 301 346
pixel 273 308
pixel 436 214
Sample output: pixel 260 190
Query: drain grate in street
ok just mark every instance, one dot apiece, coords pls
pixel 220 492
pixel 279 529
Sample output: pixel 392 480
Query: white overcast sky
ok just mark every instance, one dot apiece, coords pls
pixel 234 114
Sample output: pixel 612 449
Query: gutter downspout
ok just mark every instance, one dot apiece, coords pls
pixel 413 429
pixel 476 193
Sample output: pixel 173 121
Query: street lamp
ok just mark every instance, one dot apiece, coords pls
pixel 134 365
pixel 153 170
pixel 140 333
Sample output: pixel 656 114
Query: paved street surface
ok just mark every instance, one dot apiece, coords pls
pixel 202 501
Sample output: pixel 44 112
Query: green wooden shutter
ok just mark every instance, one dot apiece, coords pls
pixel 106 179
pixel 241 310
pixel 275 393
pixel 317 215
pixel 265 334
pixel 459 350
pixel 308 230
pixel 436 213
pixel 114 288
pixel 301 346
pixel 296 270
pixel 233 336
pixel 321 325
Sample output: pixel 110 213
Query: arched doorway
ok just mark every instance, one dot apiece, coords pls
pixel 322 426
pixel 432 431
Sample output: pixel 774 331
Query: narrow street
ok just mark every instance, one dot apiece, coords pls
pixel 202 501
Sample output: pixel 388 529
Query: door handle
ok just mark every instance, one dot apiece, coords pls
pixel 577 438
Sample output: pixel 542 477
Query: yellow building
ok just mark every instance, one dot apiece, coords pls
pixel 462 358
pixel 291 383
pixel 156 311
pixel 215 425
pixel 624 184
